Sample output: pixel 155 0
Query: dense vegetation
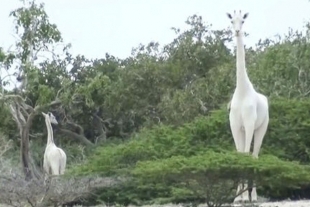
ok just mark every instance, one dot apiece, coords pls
pixel 158 118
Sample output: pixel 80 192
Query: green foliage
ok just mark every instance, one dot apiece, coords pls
pixel 34 34
pixel 269 170
pixel 46 95
pixel 280 67
pixel 288 124
pixel 170 102
pixel 288 131
pixel 161 142
pixel 94 91
pixel 165 159
pixel 207 177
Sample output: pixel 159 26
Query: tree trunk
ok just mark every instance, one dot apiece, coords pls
pixel 24 122
pixel 100 127
pixel 25 153
pixel 24 139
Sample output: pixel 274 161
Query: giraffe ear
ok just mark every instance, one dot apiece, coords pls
pixel 245 15
pixel 229 15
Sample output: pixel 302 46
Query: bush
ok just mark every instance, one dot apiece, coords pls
pixel 212 177
pixel 206 145
pixel 288 132
pixel 161 142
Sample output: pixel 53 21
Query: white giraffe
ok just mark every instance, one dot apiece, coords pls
pixel 249 113
pixel 55 158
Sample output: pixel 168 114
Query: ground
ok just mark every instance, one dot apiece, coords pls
pixel 301 203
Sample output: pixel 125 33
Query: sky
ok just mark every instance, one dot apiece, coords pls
pixel 96 27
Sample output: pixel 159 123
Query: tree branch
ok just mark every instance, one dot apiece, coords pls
pixel 53 103
pixel 12 96
pixel 20 120
pixel 58 92
pixel 81 130
pixel 76 136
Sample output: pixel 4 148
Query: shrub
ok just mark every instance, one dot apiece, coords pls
pixel 161 142
pixel 206 145
pixel 212 177
pixel 288 132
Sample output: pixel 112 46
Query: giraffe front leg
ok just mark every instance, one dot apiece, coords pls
pixel 254 194
pixel 239 198
pixel 245 194
pixel 258 140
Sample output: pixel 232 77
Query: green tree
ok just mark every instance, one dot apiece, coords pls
pixel 36 34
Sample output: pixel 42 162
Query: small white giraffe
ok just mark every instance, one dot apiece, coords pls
pixel 249 113
pixel 54 162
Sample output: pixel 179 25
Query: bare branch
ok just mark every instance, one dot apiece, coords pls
pixel 79 127
pixel 23 109
pixel 53 103
pixel 19 119
pixel 5 145
pixel 76 136
pixel 107 121
pixel 60 191
pixel 15 97
pixel 58 92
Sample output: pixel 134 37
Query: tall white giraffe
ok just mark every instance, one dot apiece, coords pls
pixel 249 110
pixel 54 162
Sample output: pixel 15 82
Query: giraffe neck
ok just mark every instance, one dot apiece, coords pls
pixel 243 81
pixel 50 138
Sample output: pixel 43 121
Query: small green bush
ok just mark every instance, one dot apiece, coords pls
pixel 269 170
pixel 211 177
pixel 159 161
pixel 161 142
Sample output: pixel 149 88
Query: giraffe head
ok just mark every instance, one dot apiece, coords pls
pixel 237 20
pixel 50 117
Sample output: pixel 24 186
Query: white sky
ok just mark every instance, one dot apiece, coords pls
pixel 95 27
